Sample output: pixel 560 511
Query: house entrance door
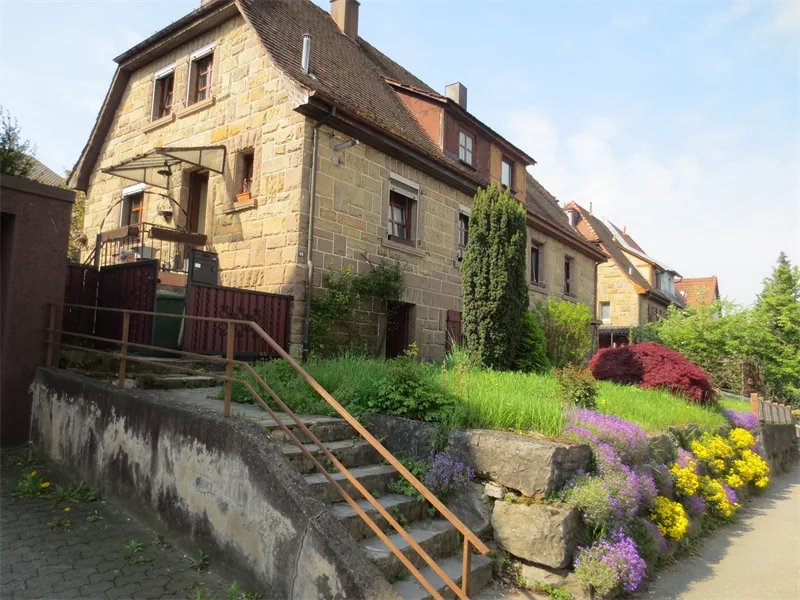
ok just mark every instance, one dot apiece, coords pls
pixel 397 329
pixel 198 191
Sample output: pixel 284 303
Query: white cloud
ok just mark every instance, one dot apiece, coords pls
pixel 737 10
pixel 712 207
pixel 785 17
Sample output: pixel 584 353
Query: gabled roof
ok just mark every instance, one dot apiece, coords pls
pixel 595 230
pixel 627 243
pixel 698 290
pixel 544 205
pixel 346 73
pixel 41 173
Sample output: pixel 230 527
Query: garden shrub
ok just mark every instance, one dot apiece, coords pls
pixel 629 441
pixel 409 390
pixel 568 332
pixel 670 518
pixel 493 283
pixel 611 565
pixel 652 365
pixel 649 540
pixel 400 485
pixel 532 350
pixel 576 386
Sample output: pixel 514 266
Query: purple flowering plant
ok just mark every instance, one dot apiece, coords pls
pixel 732 497
pixel 743 419
pixel 447 476
pixel 610 565
pixel 694 505
pixel 628 440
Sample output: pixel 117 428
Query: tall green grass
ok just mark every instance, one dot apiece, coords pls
pixel 482 398
pixel 729 403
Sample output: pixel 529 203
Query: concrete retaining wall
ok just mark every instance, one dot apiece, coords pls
pixel 779 445
pixel 219 484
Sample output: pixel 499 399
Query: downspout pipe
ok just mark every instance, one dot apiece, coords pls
pixel 312 206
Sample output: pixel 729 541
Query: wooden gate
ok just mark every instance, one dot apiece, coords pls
pixel 129 286
pixel 81 288
pixel 270 311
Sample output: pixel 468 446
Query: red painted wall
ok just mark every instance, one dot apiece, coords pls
pixel 33 254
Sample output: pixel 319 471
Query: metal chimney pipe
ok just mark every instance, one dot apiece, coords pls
pixel 306 53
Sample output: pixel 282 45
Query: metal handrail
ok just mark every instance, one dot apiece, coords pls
pixel 469 537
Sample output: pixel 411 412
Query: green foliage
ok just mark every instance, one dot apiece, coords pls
pixel 647 542
pixel 74 493
pixel 493 284
pixel 60 524
pixel 132 547
pixel 400 485
pixel 77 239
pixel 778 311
pixel 567 329
pixel 16 154
pixel 639 334
pixel 576 386
pixel 201 564
pixel 24 460
pixel 334 312
pixel 408 391
pixel 532 350
pixel 553 592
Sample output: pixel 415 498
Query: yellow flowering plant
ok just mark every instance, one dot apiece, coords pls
pixel 687 482
pixel 733 460
pixel 670 518
pixel 741 438
pixel 722 501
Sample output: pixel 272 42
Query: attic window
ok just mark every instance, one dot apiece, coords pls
pixel 465 144
pixel 163 93
pixel 507 174
pixel 200 75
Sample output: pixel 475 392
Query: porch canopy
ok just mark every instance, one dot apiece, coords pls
pixel 155 167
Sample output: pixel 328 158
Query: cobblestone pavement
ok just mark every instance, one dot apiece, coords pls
pixel 39 559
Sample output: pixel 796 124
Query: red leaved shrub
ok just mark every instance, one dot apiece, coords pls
pixel 652 365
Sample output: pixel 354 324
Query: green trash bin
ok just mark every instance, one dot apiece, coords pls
pixel 167 331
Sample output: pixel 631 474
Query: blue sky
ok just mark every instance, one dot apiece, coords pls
pixel 678 120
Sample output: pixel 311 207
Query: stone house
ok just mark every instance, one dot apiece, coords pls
pixel 696 291
pixel 288 145
pixel 632 288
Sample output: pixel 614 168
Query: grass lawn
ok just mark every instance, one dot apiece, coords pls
pixel 483 399
pixel 728 403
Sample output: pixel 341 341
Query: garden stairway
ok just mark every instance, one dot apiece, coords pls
pixel 436 536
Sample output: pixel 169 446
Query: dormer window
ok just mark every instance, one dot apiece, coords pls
pixel 163 93
pixel 507 174
pixel 466 143
pixel 200 75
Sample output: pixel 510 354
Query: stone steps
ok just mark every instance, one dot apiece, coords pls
pixel 480 574
pixel 375 478
pixel 440 540
pixel 437 537
pixel 174 382
pixel 411 509
pixel 351 453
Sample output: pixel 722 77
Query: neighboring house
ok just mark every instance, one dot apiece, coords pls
pixel 632 288
pixel 698 290
pixel 237 122
pixel 41 173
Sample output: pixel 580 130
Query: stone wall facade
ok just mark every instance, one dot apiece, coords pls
pixel 261 242
pixel 552 253
pixel 616 289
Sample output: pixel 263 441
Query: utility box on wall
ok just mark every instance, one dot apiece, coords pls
pixel 203 267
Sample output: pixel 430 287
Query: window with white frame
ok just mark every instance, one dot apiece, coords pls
pixel 201 69
pixel 507 174
pixel 132 211
pixel 536 262
pixel 403 210
pixel 465 145
pixel 605 312
pixel 163 93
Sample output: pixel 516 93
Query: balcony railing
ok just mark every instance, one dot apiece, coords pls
pixel 146 241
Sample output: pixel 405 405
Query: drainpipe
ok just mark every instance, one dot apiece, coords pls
pixel 311 209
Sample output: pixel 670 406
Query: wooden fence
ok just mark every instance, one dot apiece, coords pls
pixel 770 412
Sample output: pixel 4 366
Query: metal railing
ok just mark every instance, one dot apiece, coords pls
pixel 470 539
pixel 146 241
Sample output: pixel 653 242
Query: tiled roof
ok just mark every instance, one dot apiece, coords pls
pixel 346 72
pixel 599 232
pixel 698 290
pixel 627 243
pixel 543 204
pixel 44 174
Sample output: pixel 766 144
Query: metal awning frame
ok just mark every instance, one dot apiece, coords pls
pixel 142 168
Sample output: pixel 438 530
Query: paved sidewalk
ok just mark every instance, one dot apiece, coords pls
pixel 87 560
pixel 755 559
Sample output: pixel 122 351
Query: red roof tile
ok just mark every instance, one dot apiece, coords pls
pixel 698 290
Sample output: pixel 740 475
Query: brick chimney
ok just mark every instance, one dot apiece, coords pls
pixel 345 13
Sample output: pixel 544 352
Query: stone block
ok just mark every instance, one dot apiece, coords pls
pixel 547 534
pixel 413 438
pixel 474 509
pixel 493 490
pixel 533 466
